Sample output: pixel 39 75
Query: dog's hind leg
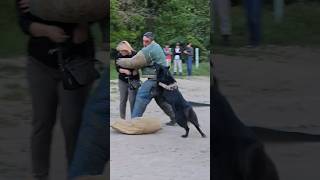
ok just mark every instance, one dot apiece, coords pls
pixel 184 124
pixel 198 128
pixel 187 132
pixel 192 117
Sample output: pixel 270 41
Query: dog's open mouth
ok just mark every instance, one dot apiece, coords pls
pixel 169 87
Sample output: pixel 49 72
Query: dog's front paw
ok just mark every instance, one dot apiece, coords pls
pixel 184 136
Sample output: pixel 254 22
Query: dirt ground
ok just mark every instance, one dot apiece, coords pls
pixel 163 155
pixel 277 87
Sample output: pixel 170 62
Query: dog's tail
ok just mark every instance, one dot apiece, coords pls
pixel 272 135
pixel 197 104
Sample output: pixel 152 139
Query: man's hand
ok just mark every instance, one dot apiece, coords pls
pixel 125 71
pixel 135 72
pixel 56 34
pixel 24 5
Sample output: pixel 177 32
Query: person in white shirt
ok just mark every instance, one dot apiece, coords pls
pixel 177 60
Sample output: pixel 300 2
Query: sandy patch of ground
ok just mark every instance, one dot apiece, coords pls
pixel 164 155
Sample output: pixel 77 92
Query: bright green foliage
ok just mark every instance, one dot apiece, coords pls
pixel 172 21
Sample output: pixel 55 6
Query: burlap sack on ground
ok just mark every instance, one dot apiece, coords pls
pixel 142 125
pixel 70 11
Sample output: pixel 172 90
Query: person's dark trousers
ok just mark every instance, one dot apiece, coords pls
pixel 253 13
pixel 92 150
pixel 125 93
pixel 48 96
pixel 189 65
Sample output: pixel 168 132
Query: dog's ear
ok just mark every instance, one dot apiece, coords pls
pixel 156 66
pixel 160 69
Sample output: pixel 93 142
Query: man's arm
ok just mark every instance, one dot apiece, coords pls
pixel 186 52
pixel 36 29
pixel 136 62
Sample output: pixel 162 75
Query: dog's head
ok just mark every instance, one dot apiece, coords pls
pixel 163 74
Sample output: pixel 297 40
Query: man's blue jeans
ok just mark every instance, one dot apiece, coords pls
pixel 189 65
pixel 92 150
pixel 253 12
pixel 143 98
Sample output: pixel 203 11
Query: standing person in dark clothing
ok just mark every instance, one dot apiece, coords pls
pixel 222 11
pixel 125 77
pixel 189 52
pixel 253 13
pixel 45 83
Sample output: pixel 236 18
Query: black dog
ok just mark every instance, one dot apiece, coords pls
pixel 184 112
pixel 237 152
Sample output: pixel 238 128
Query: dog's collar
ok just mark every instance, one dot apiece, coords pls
pixel 169 87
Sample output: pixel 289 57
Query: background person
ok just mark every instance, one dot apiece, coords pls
pixel 253 14
pixel 177 60
pixel 222 11
pixel 168 53
pixel 189 52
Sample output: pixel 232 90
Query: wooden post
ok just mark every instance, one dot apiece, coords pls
pixel 278 6
pixel 197 57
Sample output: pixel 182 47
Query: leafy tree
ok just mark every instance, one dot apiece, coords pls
pixel 171 20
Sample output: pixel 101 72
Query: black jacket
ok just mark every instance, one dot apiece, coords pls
pixel 122 76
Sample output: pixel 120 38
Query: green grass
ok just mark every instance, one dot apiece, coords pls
pixel 300 27
pixel 13 41
pixel 203 70
pixel 113 71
